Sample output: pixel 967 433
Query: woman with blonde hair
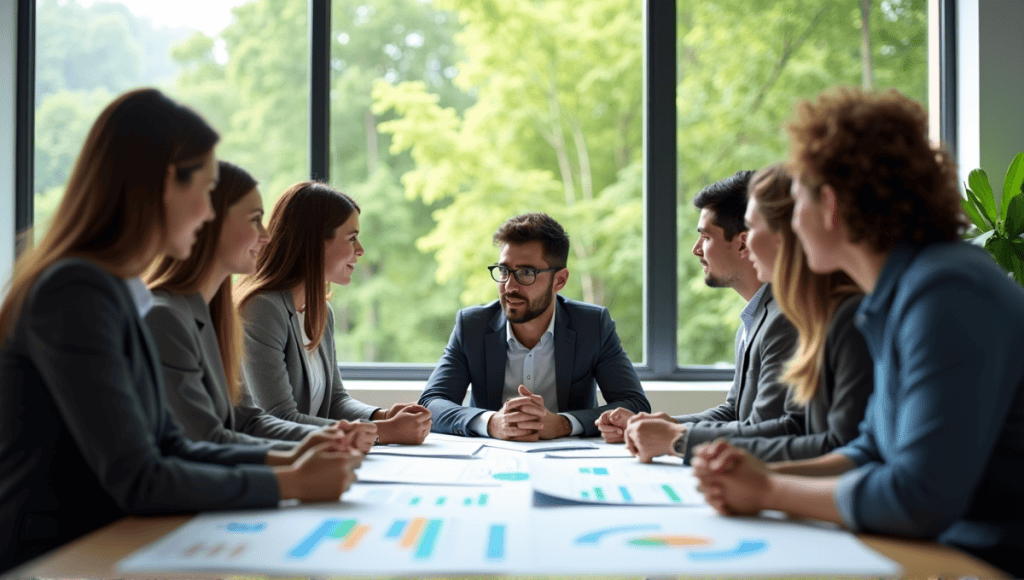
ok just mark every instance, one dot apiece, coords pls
pixel 291 365
pixel 86 435
pixel 199 333
pixel 831 373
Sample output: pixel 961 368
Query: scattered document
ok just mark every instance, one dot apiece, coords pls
pixel 613 481
pixel 436 445
pixel 540 446
pixel 599 450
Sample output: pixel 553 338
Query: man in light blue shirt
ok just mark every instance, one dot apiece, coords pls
pixel 534 358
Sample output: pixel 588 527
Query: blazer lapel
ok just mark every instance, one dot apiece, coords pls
pixel 760 315
pixel 496 349
pixel 210 348
pixel 565 355
pixel 296 331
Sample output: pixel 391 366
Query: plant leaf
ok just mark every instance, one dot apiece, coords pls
pixel 980 208
pixel 979 186
pixel 983 239
pixel 1004 253
pixel 1014 180
pixel 1014 223
pixel 975 216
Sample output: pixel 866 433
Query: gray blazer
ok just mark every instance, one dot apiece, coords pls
pixel 588 355
pixel 832 418
pixel 86 435
pixel 194 377
pixel 757 395
pixel 277 369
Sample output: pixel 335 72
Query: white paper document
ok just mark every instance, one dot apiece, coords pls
pixel 599 450
pixel 436 445
pixel 345 540
pixel 540 446
pixel 483 469
pixel 613 481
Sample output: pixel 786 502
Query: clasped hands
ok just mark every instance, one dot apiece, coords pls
pixel 524 418
pixel 646 435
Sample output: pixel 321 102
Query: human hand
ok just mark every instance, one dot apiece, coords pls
pixel 548 425
pixel 404 423
pixel 649 437
pixel 612 424
pixel 733 481
pixel 659 415
pixel 336 437
pixel 322 473
pixel 360 434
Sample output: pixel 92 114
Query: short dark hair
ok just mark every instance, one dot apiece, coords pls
pixel 727 202
pixel 892 185
pixel 536 227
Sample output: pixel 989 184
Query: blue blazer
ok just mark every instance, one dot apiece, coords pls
pixel 86 435
pixel 588 355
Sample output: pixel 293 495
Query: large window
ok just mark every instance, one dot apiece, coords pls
pixel 448 116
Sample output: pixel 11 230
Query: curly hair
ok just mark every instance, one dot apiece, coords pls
pixel 872 148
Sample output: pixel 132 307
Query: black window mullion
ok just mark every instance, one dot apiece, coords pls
pixel 24 154
pixel 319 89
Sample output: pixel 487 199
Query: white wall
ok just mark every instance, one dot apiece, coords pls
pixel 990 70
pixel 8 72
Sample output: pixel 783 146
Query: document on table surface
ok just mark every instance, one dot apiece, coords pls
pixel 435 445
pixel 613 481
pixel 499 468
pixel 379 540
pixel 652 541
pixel 540 446
pixel 600 449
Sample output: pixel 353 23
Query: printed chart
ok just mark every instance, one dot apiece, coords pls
pixel 308 542
pixel 650 540
pixel 613 481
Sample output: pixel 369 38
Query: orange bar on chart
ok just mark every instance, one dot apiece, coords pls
pixel 412 534
pixel 354 537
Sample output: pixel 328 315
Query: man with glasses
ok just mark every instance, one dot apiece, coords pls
pixel 534 359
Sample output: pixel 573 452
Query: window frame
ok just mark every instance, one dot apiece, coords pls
pixel 661 242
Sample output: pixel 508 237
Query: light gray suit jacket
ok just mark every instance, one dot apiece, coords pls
pixel 277 369
pixel 757 396
pixel 195 381
pixel 832 418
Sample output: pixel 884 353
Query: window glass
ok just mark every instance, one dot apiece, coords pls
pixel 449 117
pixel 742 65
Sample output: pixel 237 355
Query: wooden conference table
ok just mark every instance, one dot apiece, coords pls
pixel 96 555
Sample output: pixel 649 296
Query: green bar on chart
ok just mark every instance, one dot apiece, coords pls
pixel 671 493
pixel 482 501
pixel 441 500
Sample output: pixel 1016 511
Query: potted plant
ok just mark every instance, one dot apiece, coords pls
pixel 998 221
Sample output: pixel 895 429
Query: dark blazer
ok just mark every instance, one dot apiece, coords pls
pixel 830 419
pixel 757 395
pixel 195 381
pixel 587 355
pixel 277 368
pixel 86 435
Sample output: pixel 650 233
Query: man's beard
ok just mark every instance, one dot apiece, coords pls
pixel 531 310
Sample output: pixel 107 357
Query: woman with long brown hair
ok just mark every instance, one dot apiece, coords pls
pixel 831 373
pixel 291 365
pixel 197 328
pixel 85 432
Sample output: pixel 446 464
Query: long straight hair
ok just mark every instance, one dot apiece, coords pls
pixel 184 276
pixel 302 221
pixel 113 209
pixel 809 300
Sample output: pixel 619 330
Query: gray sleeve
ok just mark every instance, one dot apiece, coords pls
pixel 775 348
pixel 343 406
pixel 266 368
pixel 74 322
pixel 256 422
pixel 182 364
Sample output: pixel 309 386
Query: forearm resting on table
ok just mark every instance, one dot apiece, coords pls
pixel 831 464
pixel 803 497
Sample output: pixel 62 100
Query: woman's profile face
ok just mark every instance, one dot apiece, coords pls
pixel 342 251
pixel 188 206
pixel 809 226
pixel 242 235
pixel 762 243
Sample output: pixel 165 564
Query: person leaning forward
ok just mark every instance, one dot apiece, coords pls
pixel 534 358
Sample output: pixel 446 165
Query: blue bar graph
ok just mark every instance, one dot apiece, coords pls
pixel 311 541
pixel 625 494
pixel 496 542
pixel 600 471
pixel 396 529
pixel 428 540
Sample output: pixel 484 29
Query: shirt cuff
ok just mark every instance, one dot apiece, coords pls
pixel 681 445
pixel 478 425
pixel 844 493
pixel 577 427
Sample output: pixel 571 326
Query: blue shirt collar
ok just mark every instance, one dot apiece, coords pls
pixel 747 315
pixel 899 259
pixel 141 295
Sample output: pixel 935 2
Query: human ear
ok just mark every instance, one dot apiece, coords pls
pixel 561 279
pixel 743 248
pixel 829 208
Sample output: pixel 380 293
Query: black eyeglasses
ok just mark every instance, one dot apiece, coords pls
pixel 524 276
